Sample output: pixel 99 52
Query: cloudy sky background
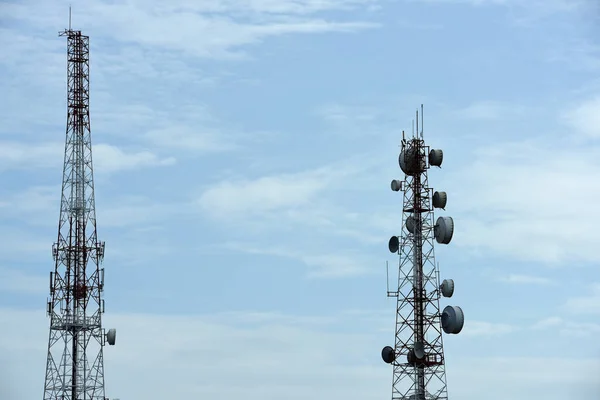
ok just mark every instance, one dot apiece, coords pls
pixel 243 151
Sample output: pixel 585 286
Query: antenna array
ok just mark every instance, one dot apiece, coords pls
pixel 418 354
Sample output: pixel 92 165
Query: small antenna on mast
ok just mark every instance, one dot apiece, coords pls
pixel 421 121
pixel 69 17
pixel 387 277
pixel 417 123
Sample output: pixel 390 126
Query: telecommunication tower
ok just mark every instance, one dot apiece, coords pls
pixel 75 364
pixel 418 354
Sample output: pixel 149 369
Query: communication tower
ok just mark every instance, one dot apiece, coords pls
pixel 418 353
pixel 75 364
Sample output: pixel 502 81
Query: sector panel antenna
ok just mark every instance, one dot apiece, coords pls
pixel 444 230
pixel 394 244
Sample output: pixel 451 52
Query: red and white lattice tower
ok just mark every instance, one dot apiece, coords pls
pixel 75 364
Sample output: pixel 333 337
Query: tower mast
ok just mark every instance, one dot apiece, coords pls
pixel 75 364
pixel 418 354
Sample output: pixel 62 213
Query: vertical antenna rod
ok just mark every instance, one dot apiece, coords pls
pixel 75 363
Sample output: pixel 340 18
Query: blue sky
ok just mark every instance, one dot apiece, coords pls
pixel 243 152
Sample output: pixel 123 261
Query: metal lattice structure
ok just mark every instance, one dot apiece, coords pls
pixel 418 355
pixel 75 364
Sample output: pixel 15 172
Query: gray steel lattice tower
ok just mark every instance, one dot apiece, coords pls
pixel 75 365
pixel 418 354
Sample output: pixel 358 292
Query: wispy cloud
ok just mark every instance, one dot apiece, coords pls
pixel 108 158
pixel 480 328
pixel 13 280
pixel 218 28
pixel 586 304
pixel 585 117
pixel 527 280
pixel 516 199
pixel 491 110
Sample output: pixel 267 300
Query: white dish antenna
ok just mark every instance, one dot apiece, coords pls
pixel 447 287
pixel 436 157
pixel 453 319
pixel 409 161
pixel 440 199
pixel 444 230
pixel 111 336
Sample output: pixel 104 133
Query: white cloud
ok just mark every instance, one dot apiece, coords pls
pixel 233 198
pixel 321 264
pixel 16 281
pixel 479 328
pixel 27 155
pixel 107 158
pixel 518 199
pixel 200 29
pixel 587 304
pixel 280 356
pixel 188 138
pixel 527 279
pixel 491 110
pixel 344 114
pixel 548 323
pixel 585 117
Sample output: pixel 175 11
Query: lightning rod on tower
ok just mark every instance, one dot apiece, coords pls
pixel 417 356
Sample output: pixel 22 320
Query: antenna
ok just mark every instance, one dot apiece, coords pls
pixel 421 121
pixel 417 356
pixel 387 277
pixel 69 17
pixel 417 119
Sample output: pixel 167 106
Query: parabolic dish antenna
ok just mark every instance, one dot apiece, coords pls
pixel 410 162
pixel 440 199
pixel 436 157
pixel 447 287
pixel 396 185
pixel 111 336
pixel 410 224
pixel 453 319
pixel 394 244
pixel 388 354
pixel 444 230
pixel 419 350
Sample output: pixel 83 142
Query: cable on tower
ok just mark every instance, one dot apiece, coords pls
pixel 417 356
pixel 75 362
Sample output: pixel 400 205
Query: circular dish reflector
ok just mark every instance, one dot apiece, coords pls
pixel 453 319
pixel 394 244
pixel 444 230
